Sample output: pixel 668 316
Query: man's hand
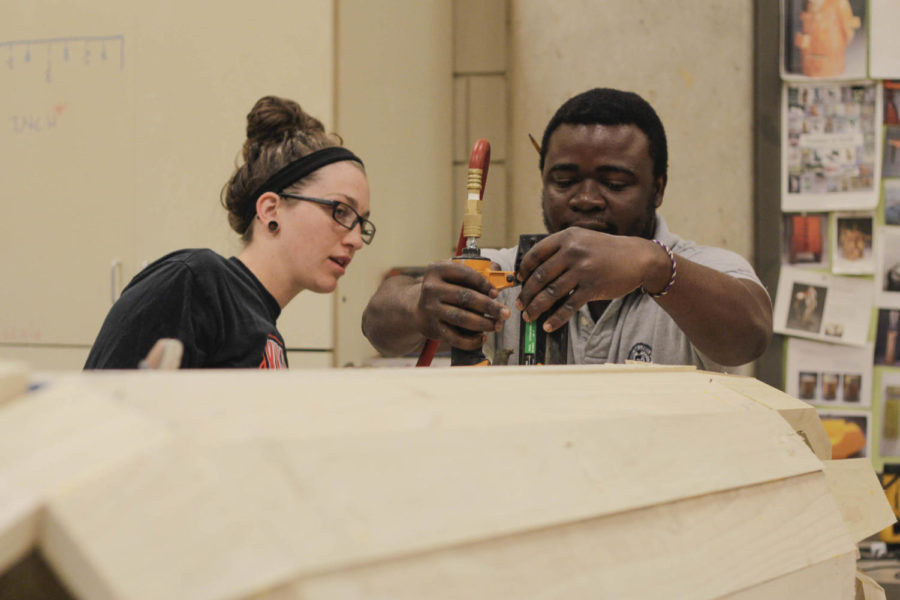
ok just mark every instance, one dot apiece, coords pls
pixel 584 265
pixel 451 303
pixel 727 318
pixel 457 305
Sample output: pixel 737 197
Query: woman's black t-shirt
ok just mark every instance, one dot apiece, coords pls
pixel 217 308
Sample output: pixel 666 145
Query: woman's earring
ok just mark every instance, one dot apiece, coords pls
pixel 273 226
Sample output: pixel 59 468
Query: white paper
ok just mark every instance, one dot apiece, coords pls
pixel 822 306
pixel 852 251
pixel 884 41
pixel 831 141
pixel 829 374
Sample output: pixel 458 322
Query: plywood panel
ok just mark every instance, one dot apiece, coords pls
pixel 411 399
pixel 53 439
pixel 19 511
pixel 13 380
pixel 803 417
pixel 650 553
pixel 307 506
pixel 859 495
pixel 823 580
pixel 636 481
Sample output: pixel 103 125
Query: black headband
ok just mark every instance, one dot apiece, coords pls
pixel 296 170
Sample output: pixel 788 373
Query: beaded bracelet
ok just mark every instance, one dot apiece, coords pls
pixel 671 279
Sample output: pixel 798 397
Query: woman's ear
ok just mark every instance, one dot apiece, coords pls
pixel 267 206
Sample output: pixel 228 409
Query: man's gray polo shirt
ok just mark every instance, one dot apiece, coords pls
pixel 631 328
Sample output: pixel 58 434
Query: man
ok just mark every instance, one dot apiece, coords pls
pixel 635 291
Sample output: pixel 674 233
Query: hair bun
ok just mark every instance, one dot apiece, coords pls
pixel 278 132
pixel 272 120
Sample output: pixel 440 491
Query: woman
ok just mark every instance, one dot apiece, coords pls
pixel 300 202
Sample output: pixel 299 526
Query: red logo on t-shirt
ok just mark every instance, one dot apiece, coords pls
pixel 274 355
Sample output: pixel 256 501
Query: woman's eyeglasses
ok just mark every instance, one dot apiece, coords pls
pixel 343 214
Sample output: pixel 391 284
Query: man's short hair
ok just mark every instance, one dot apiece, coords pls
pixel 606 106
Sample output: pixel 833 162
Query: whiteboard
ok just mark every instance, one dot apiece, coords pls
pixel 119 124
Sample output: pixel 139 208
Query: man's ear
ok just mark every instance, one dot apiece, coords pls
pixel 267 206
pixel 660 190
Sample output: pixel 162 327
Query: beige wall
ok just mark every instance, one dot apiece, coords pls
pixel 146 130
pixel 691 59
pixel 394 103
pixel 481 111
pixel 513 63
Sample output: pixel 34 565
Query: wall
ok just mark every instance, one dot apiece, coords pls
pixel 138 114
pixel 692 60
pixel 515 62
pixel 481 111
pixel 394 95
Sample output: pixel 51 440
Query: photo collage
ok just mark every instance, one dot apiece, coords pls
pixel 838 296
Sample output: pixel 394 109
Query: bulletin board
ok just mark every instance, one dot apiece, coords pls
pixel 838 292
pixel 119 124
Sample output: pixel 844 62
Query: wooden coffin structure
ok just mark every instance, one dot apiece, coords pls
pixel 554 482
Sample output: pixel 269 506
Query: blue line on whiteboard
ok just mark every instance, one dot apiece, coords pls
pixel 86 57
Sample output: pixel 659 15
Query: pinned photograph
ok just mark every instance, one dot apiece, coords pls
pixel 890 414
pixel 887 267
pixel 807 305
pixel 831 146
pixel 891 201
pixel 850 387
pixel 829 374
pixel 805 240
pixel 823 39
pixel 822 306
pixel 830 387
pixel 853 254
pixel 807 385
pixel 891 158
pixel 849 433
pixel 887 329
pixel 891 102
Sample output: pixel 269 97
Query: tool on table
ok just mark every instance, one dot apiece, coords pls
pixel 537 347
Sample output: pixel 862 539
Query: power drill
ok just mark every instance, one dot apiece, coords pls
pixel 536 346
